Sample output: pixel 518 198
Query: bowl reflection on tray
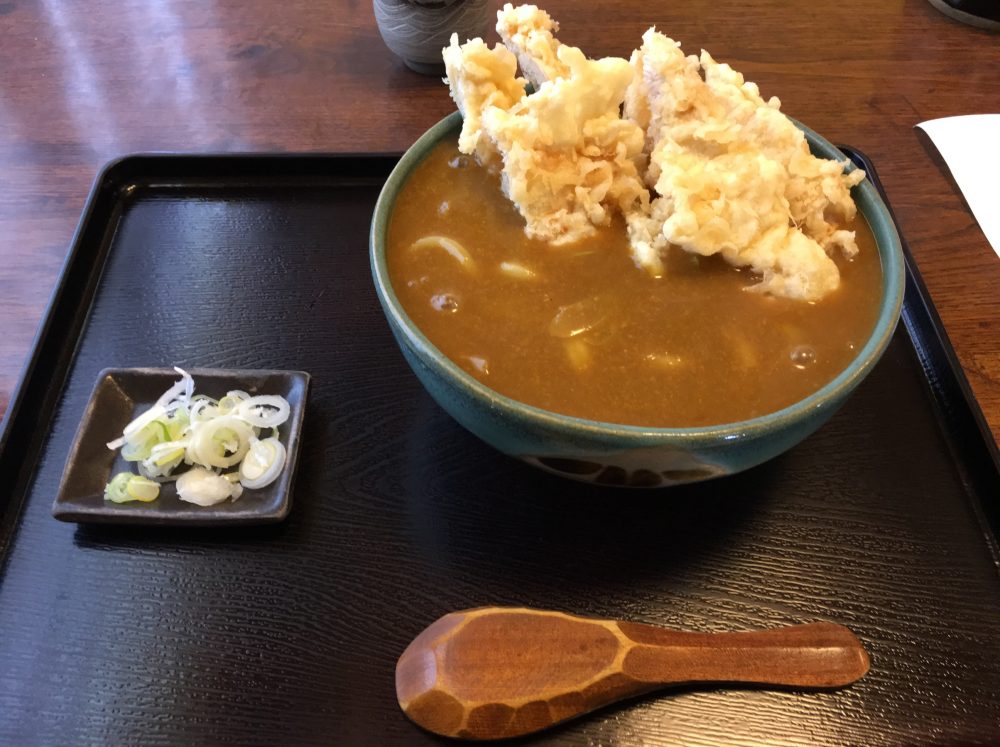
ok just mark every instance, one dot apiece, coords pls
pixel 608 453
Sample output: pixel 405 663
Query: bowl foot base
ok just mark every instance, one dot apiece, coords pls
pixel 425 68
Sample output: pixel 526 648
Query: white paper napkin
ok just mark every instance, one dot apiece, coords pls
pixel 970 145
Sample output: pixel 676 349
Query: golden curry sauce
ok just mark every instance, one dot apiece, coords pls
pixel 580 330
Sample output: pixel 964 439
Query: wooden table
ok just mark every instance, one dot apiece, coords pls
pixel 82 83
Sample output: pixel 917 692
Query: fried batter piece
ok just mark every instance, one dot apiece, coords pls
pixel 480 78
pixel 817 188
pixel 569 159
pixel 734 175
pixel 528 32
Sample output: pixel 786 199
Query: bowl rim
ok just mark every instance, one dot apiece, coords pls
pixel 872 208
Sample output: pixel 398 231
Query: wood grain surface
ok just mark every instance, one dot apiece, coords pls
pixel 82 83
pixel 499 672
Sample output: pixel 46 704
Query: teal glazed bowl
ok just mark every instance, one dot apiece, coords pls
pixel 607 453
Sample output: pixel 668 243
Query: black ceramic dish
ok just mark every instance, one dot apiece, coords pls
pixel 119 396
pixel 884 520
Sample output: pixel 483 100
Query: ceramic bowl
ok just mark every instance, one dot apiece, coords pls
pixel 594 451
pixel 417 30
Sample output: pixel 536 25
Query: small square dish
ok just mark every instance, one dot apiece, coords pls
pixel 119 396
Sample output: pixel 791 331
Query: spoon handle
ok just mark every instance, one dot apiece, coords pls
pixel 816 655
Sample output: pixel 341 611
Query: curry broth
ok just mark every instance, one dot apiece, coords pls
pixel 588 334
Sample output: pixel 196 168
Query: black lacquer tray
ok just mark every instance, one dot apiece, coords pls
pixel 884 520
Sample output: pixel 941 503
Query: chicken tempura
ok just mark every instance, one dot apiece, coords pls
pixel 734 175
pixel 480 78
pixel 527 31
pixel 729 173
pixel 569 159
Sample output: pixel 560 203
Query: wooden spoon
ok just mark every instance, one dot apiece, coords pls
pixel 496 672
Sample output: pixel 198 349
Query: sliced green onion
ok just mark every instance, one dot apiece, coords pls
pixel 164 458
pixel 141 489
pixel 114 491
pixel 164 431
pixel 125 487
pixel 136 426
pixel 263 463
pixel 264 412
pixel 177 421
pixel 208 434
pixel 205 488
pixel 137 450
pixel 170 456
pixel 204 410
pixel 143 420
pixel 231 401
pixel 179 392
pixel 220 442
